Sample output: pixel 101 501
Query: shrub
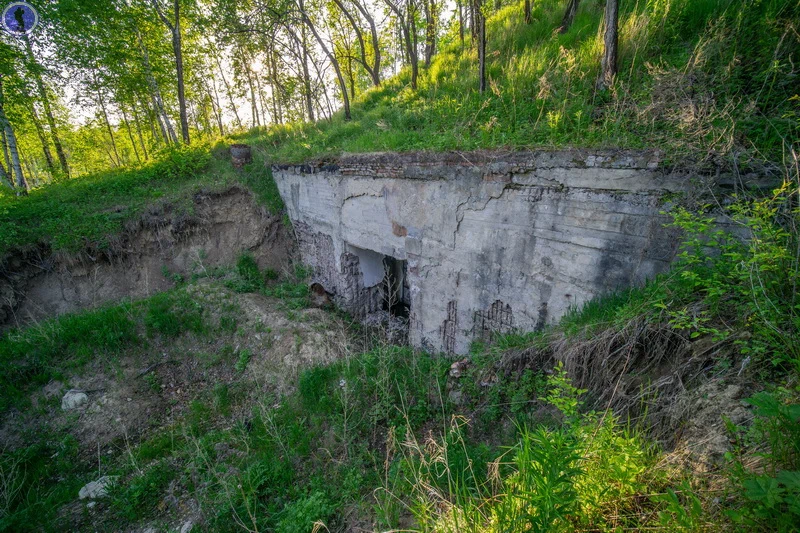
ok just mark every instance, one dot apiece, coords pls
pixel 301 515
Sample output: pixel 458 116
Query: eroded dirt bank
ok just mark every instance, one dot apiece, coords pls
pixel 162 246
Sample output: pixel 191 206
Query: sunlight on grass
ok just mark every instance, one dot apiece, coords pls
pixel 543 87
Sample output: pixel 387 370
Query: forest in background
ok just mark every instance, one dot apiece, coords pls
pixel 108 83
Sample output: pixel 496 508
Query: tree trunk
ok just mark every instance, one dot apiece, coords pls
pixel 351 77
pixel 374 70
pixel 376 47
pixel 461 21
pixel 5 178
pixel 321 81
pixel 163 119
pixel 10 147
pixel 229 93
pixel 331 57
pixel 108 126
pixel 608 67
pixel 413 50
pixel 430 30
pixel 528 16
pixel 261 98
pixel 168 139
pixel 48 156
pixel 473 22
pixel 48 111
pixel 32 174
pixel 480 20
pixel 274 84
pixel 569 16
pixel 306 77
pixel 216 106
pixel 139 131
pixel 6 155
pixel 176 45
pixel 253 103
pixel 408 29
pixel 130 134
pixel 16 165
pixel 174 26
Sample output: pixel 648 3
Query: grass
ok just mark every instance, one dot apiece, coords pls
pixel 695 78
pixel 389 437
pixel 90 212
pixel 372 437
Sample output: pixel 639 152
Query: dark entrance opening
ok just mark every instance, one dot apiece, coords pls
pixel 397 294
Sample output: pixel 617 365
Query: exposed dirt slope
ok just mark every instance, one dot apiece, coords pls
pixel 35 284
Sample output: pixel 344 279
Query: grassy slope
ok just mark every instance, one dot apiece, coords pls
pixel 695 77
pixel 87 212
pixel 347 447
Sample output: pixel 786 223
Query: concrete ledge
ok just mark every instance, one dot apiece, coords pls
pixel 627 170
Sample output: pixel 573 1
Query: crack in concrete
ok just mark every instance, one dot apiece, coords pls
pixel 471 200
pixel 359 195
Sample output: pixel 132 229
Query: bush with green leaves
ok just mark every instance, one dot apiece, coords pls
pixel 771 495
pixel 580 474
pixel 301 515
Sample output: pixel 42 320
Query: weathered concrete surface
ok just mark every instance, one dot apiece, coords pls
pixel 493 241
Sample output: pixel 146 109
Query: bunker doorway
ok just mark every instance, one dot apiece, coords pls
pixel 396 293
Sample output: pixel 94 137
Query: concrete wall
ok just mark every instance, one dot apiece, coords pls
pixel 494 241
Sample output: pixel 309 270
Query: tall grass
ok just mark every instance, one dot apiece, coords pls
pixel 697 78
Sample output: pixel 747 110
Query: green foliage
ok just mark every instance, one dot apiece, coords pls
pixel 250 278
pixel 34 355
pixel 723 283
pixel 258 178
pixel 771 498
pixel 608 310
pixel 243 361
pixel 300 515
pixel 36 480
pixel 577 476
pixel 773 502
pixel 563 395
pixel 778 419
pixel 541 492
pixel 139 495
pixel 731 62
pixel 89 211
pixel 173 313
pixel 683 509
pixel 293 289
pixel 753 281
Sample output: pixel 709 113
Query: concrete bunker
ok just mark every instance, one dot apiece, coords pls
pixel 384 279
pixel 468 245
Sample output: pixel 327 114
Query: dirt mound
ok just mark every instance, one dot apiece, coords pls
pixel 148 388
pixel 162 246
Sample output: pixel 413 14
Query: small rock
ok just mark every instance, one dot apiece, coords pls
pixel 457 369
pixel 74 399
pixel 97 489
pixel 187 526
pixel 456 396
pixel 91 505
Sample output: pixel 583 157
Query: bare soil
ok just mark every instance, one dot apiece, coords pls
pixel 164 244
